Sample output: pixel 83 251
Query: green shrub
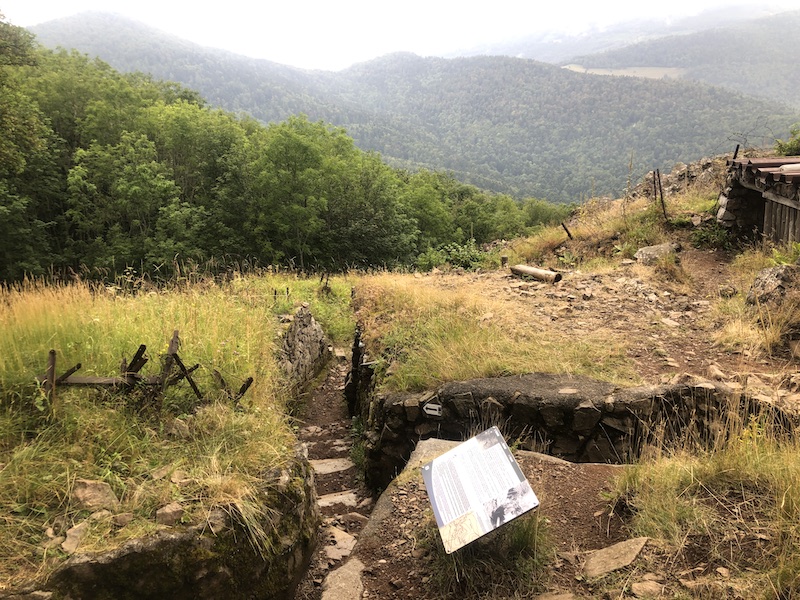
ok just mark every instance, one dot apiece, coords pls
pixel 712 236
pixel 466 255
pixel 792 146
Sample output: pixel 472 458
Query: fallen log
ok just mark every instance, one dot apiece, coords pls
pixel 536 273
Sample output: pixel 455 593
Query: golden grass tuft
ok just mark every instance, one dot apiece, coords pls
pixel 736 505
pixel 427 334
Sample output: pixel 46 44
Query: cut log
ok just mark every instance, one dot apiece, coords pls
pixel 536 273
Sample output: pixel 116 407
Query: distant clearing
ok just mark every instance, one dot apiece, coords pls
pixel 646 72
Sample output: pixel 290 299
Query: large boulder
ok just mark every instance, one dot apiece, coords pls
pixel 773 285
pixel 649 255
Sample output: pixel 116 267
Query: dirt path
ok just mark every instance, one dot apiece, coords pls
pixel 344 502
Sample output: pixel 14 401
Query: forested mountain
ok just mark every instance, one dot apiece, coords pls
pixel 758 58
pixel 505 124
pixel 104 174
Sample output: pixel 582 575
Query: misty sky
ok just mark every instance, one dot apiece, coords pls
pixel 326 34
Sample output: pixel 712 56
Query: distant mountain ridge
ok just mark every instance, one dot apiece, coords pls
pixel 759 58
pixel 512 125
pixel 559 48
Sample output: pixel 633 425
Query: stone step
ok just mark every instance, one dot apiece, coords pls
pixel 347 497
pixel 324 466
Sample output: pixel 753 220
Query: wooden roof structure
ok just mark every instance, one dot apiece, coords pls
pixel 775 177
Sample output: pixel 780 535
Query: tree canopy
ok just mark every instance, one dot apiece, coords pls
pixel 102 171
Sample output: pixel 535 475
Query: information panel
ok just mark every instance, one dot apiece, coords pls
pixel 475 488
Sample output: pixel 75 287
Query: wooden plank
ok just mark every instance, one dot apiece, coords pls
pixel 767 228
pixel 781 200
pixel 188 376
pixel 797 227
pixel 245 386
pixel 99 381
pixel 178 376
pixel 138 360
pixel 68 373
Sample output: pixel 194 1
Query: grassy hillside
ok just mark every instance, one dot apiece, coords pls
pixel 504 124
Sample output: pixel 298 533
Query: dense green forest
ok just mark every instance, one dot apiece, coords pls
pixel 509 125
pixel 102 171
pixel 758 58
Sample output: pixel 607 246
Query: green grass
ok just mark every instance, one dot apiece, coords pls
pixel 508 562
pixel 736 507
pixel 215 454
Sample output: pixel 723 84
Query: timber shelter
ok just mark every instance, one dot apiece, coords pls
pixel 763 195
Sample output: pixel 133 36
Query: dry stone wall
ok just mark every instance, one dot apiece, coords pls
pixel 574 418
pixel 305 349
pixel 740 208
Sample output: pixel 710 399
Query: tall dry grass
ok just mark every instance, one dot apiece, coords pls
pixel 425 335
pixel 207 454
pixel 735 505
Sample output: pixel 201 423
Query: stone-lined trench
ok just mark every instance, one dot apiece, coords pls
pixel 571 417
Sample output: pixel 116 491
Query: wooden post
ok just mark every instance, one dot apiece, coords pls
pixel 188 376
pixel 767 230
pixel 661 192
pixel 245 386
pixel 50 379
pixel 569 235
pixel 797 227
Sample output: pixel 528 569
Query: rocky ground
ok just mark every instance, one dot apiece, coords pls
pixel 668 326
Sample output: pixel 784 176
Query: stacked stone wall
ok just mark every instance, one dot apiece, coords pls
pixel 739 207
pixel 574 418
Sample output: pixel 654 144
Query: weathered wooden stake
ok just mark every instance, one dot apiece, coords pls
pixel 50 379
pixel 661 191
pixel 569 235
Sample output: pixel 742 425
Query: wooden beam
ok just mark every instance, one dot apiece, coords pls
pixel 66 375
pixel 188 376
pixel 781 200
pixel 245 386
pixel 138 360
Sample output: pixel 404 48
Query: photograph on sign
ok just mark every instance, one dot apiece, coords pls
pixel 475 488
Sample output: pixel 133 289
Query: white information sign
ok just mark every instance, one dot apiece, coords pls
pixel 475 488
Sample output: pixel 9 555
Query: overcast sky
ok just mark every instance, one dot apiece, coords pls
pixel 333 34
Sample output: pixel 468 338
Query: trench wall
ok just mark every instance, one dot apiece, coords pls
pixel 574 418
